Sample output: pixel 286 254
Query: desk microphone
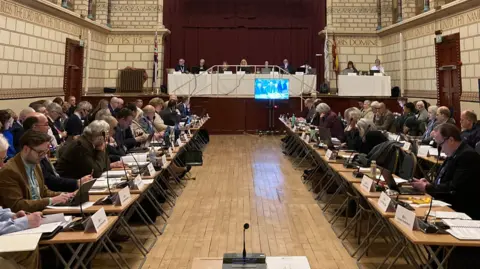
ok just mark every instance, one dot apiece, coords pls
pixel 108 200
pixel 245 227
pixel 424 225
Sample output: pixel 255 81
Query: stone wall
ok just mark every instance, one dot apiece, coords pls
pixel 134 14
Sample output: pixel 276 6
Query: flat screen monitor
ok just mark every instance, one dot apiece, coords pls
pixel 272 88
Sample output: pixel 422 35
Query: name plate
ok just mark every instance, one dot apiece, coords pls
pixel 385 203
pixel 123 196
pixel 138 182
pixel 179 142
pixel 307 139
pixel 189 132
pixel 406 145
pixel 367 184
pixel 170 151
pixel 303 136
pixel 164 160
pixel 151 169
pixel 423 151
pixel 95 222
pixel 185 136
pixel 331 155
pixel 405 217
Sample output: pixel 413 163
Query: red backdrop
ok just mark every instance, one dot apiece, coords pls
pixel 257 30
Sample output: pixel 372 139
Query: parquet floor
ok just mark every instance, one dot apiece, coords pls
pixel 246 178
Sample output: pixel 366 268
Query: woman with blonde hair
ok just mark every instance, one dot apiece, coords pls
pixel 244 66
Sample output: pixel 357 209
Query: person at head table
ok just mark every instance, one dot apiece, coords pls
pixel 202 67
pixel 181 67
pixel 244 66
pixel 224 68
pixel 378 67
pixel 350 69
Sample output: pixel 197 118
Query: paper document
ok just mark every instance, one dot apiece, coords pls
pixel 293 262
pixel 19 243
pixel 114 173
pixel 465 233
pixel 147 181
pixel 84 206
pixel 104 183
pixel 137 163
pixel 44 228
pixel 60 217
pixel 449 215
pixel 458 223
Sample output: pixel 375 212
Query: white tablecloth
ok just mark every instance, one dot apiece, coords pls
pixel 233 84
pixel 364 85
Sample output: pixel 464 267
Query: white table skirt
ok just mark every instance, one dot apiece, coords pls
pixel 364 85
pixel 233 84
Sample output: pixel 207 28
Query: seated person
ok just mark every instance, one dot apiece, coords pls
pixel 353 139
pixel 54 112
pixel 427 127
pixel 184 107
pixel 310 110
pixel 456 182
pixel 6 123
pixel 224 68
pixel 422 112
pixel 170 115
pixel 14 222
pixel 442 116
pixel 148 118
pixel 74 125
pixel 384 119
pixel 411 127
pixel 470 128
pixel 123 133
pixel 330 120
pixel 408 111
pixel 159 105
pixel 243 67
pixel 22 182
pixel 350 69
pixel 86 155
pixel 202 67
pixel 136 128
pixel 181 67
pixel 52 179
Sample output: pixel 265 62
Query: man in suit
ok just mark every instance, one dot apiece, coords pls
pixel 17 130
pixel 54 112
pixel 470 128
pixel 184 107
pixel 22 182
pixel 123 132
pixel 72 101
pixel 181 67
pixel 86 155
pixel 202 67
pixel 52 179
pixel 285 65
pixel 310 110
pixel 114 105
pixel 74 125
pixel 384 119
pixel 169 115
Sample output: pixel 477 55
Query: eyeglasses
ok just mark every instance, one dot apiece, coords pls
pixel 41 153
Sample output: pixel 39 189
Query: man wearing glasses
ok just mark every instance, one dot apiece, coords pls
pixel 21 179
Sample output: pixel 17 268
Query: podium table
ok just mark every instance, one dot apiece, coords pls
pixel 364 85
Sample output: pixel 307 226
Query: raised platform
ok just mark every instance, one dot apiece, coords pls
pixel 235 115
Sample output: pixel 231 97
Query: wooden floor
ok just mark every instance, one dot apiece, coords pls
pixel 246 179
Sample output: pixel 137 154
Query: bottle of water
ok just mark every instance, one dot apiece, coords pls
pixel 293 120
pixel 152 156
pixel 373 170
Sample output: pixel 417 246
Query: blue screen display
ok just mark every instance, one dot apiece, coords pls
pixel 272 88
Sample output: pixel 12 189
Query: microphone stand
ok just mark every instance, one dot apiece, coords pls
pixel 108 200
pixel 245 227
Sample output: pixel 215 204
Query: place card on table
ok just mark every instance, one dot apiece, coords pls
pixel 123 196
pixel 307 139
pixel 367 184
pixel 170 151
pixel 151 169
pixel 423 151
pixel 405 217
pixel 406 145
pixel 303 136
pixel 189 132
pixel 164 160
pixel 138 182
pixel 185 136
pixel 385 203
pixel 95 222
pixel 331 155
pixel 179 142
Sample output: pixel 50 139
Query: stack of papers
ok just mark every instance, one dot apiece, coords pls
pixel 115 173
pixel 449 215
pixel 464 229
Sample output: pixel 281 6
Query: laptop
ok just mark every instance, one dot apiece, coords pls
pixel 81 196
pixel 372 72
pixel 266 70
pixel 195 70
pixel 387 175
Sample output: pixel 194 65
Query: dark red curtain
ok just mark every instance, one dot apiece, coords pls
pixel 257 30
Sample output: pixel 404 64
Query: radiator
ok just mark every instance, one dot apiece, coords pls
pixel 130 80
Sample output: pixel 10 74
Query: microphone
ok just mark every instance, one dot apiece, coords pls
pixel 108 200
pixel 424 225
pixel 245 227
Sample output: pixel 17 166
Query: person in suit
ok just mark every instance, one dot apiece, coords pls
pixel 384 119
pixel 102 104
pixel 17 130
pixel 74 125
pixel 181 67
pixel 428 127
pixel 285 65
pixel 147 119
pixel 202 67
pixel 408 112
pixel 422 113
pixel 72 105
pixel 52 179
pixel 330 120
pixel 442 116
pixel 136 128
pixel 14 222
pixel 310 109
pixel 114 105
pixel 54 112
pixel 224 68
pixel 470 128
pixel 184 107
pixel 86 155
pixel 124 136
pixel 169 115
pixel 158 123
pixel 6 122
pixel 22 181
pixel 244 67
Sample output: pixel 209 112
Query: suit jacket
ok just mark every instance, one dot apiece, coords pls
pixel 289 68
pixel 15 187
pixel 54 129
pixel 457 182
pixel 311 112
pixel 78 158
pixel 386 122
pixel 179 68
pixel 125 138
pixel 332 122
pixel 55 182
pixel 170 117
pixel 368 114
pixel 71 110
pixel 74 126
pixel 17 132
pixel 147 125
pixel 472 136
pixel 184 111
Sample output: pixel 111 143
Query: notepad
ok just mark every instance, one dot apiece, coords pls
pixel 465 233
pixel 458 223
pixel 44 228
pixel 18 243
pixel 449 215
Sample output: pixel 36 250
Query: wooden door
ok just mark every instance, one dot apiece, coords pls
pixel 449 82
pixel 73 70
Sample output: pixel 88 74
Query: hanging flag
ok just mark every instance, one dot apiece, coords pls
pixel 155 63
pixel 336 66
pixel 326 56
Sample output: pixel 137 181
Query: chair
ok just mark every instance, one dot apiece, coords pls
pixel 407 166
pixel 477 147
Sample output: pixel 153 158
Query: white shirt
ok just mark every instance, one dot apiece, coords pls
pixel 379 68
